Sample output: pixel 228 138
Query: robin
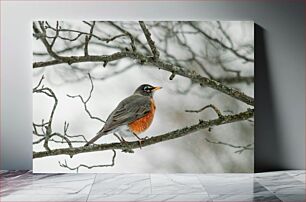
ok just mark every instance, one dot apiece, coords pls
pixel 132 116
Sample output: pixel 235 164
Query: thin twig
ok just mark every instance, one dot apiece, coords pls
pixel 132 43
pixel 235 52
pixel 49 92
pixel 87 38
pixel 240 148
pixel 87 100
pixel 218 112
pixel 65 165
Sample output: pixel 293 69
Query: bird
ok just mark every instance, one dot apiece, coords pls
pixel 132 116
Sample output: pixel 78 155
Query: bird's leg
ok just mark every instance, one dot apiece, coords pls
pixel 123 142
pixel 140 140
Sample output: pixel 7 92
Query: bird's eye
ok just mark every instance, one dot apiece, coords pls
pixel 146 88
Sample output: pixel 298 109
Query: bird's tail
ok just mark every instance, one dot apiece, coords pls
pixel 99 134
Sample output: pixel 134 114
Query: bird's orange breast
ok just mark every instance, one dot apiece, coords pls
pixel 142 124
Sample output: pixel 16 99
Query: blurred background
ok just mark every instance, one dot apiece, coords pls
pixel 223 51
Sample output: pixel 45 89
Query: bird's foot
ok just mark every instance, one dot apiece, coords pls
pixel 126 147
pixel 122 140
pixel 141 140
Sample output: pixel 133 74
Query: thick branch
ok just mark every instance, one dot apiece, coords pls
pixel 204 81
pixel 196 78
pixel 236 79
pixel 153 140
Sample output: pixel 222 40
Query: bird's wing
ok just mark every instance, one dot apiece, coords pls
pixel 127 111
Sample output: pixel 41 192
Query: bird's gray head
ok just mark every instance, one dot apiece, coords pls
pixel 146 90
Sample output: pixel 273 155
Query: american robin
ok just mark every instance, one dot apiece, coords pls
pixel 132 116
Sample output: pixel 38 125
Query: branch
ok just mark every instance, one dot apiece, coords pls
pixel 204 81
pixel 56 35
pixel 240 148
pixel 42 36
pixel 65 165
pixel 79 34
pixel 79 59
pixel 225 34
pixel 149 40
pixel 87 38
pixel 236 79
pixel 206 107
pixel 87 100
pixel 196 78
pixel 150 141
pixel 125 33
pixel 50 93
pixel 235 52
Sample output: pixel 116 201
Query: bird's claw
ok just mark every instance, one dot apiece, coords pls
pixel 122 140
pixel 140 141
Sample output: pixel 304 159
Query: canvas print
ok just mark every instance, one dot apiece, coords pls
pixel 143 96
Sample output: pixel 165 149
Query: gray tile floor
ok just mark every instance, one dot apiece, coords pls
pixel 273 186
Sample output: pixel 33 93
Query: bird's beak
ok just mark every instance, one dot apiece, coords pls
pixel 157 88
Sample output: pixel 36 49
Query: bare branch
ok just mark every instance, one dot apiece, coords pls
pixel 150 141
pixel 79 34
pixel 240 148
pixel 79 59
pixel 225 34
pixel 65 165
pixel 39 140
pixel 56 34
pixel 218 112
pixel 87 100
pixel 204 81
pixel 149 40
pixel 236 79
pixel 235 52
pixel 39 83
pixel 42 37
pixel 196 78
pixel 126 33
pixel 87 38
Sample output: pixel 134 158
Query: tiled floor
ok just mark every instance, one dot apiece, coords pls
pixel 273 186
